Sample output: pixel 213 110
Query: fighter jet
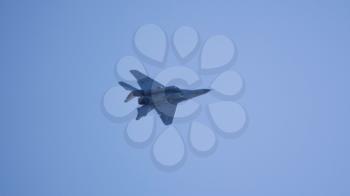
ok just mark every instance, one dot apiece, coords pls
pixel 154 95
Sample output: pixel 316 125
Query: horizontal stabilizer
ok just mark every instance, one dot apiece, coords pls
pixel 143 111
pixel 127 86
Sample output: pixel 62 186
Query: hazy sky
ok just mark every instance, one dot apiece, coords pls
pixel 58 59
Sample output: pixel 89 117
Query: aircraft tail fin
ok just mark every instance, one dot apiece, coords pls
pixel 129 97
pixel 128 87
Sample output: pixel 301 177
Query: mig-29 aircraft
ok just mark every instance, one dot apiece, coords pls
pixel 154 95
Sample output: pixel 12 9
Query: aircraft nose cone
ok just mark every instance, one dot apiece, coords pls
pixel 201 91
pixel 196 93
pixel 205 91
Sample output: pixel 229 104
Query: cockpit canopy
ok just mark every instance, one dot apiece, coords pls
pixel 172 89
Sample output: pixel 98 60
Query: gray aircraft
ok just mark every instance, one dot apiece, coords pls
pixel 154 95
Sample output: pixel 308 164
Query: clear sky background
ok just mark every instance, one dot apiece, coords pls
pixel 58 58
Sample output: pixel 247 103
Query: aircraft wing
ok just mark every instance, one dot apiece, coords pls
pixel 145 82
pixel 143 111
pixel 166 112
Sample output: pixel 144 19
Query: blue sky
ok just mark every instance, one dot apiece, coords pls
pixel 57 61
